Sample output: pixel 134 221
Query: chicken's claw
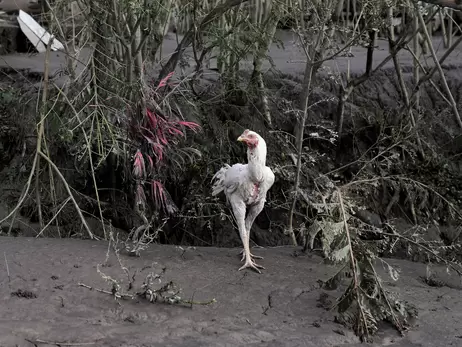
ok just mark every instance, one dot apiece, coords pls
pixel 251 256
pixel 253 265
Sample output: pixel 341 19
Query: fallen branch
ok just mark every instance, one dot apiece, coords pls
pixel 119 295
pixel 38 341
pixel 116 295
pixel 353 266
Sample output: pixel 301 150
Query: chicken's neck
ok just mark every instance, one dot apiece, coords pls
pixel 256 157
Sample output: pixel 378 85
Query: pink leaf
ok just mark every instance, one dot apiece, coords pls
pixel 151 163
pixel 140 197
pixel 163 82
pixel 161 136
pixel 151 138
pixel 158 193
pixel 152 118
pixel 158 151
pixel 162 198
pixel 191 125
pixel 175 131
pixel 139 169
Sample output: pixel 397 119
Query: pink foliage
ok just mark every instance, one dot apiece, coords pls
pixel 159 133
pixel 163 82
pixel 140 197
pixel 139 169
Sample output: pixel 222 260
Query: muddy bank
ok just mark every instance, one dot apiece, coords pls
pixel 374 145
pixel 281 307
pixel 377 143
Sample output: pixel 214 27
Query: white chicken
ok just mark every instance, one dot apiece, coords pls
pixel 245 187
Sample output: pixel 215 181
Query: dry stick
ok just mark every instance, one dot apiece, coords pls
pixel 12 223
pixel 215 13
pixel 440 70
pixel 455 4
pixel 375 179
pixel 34 163
pixel 396 321
pixel 53 190
pixel 133 296
pixel 41 129
pixel 71 59
pixel 345 91
pixel 117 295
pixel 441 61
pixel 425 248
pixel 352 259
pixel 428 75
pixel 7 267
pixel 450 27
pixel 257 76
pixel 25 191
pixel 90 159
pixel 37 341
pixel 417 79
pixel 312 65
pixel 347 231
pixel 310 69
pixel 416 61
pixel 71 196
pixel 54 217
pixel 444 33
pixel 405 93
pixel 37 193
pixel 353 83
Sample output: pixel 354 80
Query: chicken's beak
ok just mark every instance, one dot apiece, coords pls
pixel 241 139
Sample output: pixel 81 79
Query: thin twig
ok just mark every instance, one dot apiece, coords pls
pixel 66 185
pixel 440 70
pixel 7 267
pixel 405 96
pixel 25 191
pixel 117 295
pixel 396 321
pixel 54 216
pixel 425 248
pixel 38 341
pixel 41 129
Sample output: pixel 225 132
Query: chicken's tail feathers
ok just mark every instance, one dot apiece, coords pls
pixel 218 180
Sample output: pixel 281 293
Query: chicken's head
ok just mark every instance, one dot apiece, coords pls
pixel 250 138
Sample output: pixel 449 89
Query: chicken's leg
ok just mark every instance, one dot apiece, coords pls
pixel 254 211
pixel 239 213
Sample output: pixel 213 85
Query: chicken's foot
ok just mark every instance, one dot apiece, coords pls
pixel 251 264
pixel 251 256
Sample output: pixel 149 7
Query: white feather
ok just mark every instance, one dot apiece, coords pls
pixel 245 187
pixel 238 181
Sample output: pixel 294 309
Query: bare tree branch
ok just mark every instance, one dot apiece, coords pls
pixel 189 36
pixel 455 4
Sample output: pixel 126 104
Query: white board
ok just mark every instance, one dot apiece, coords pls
pixel 36 34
